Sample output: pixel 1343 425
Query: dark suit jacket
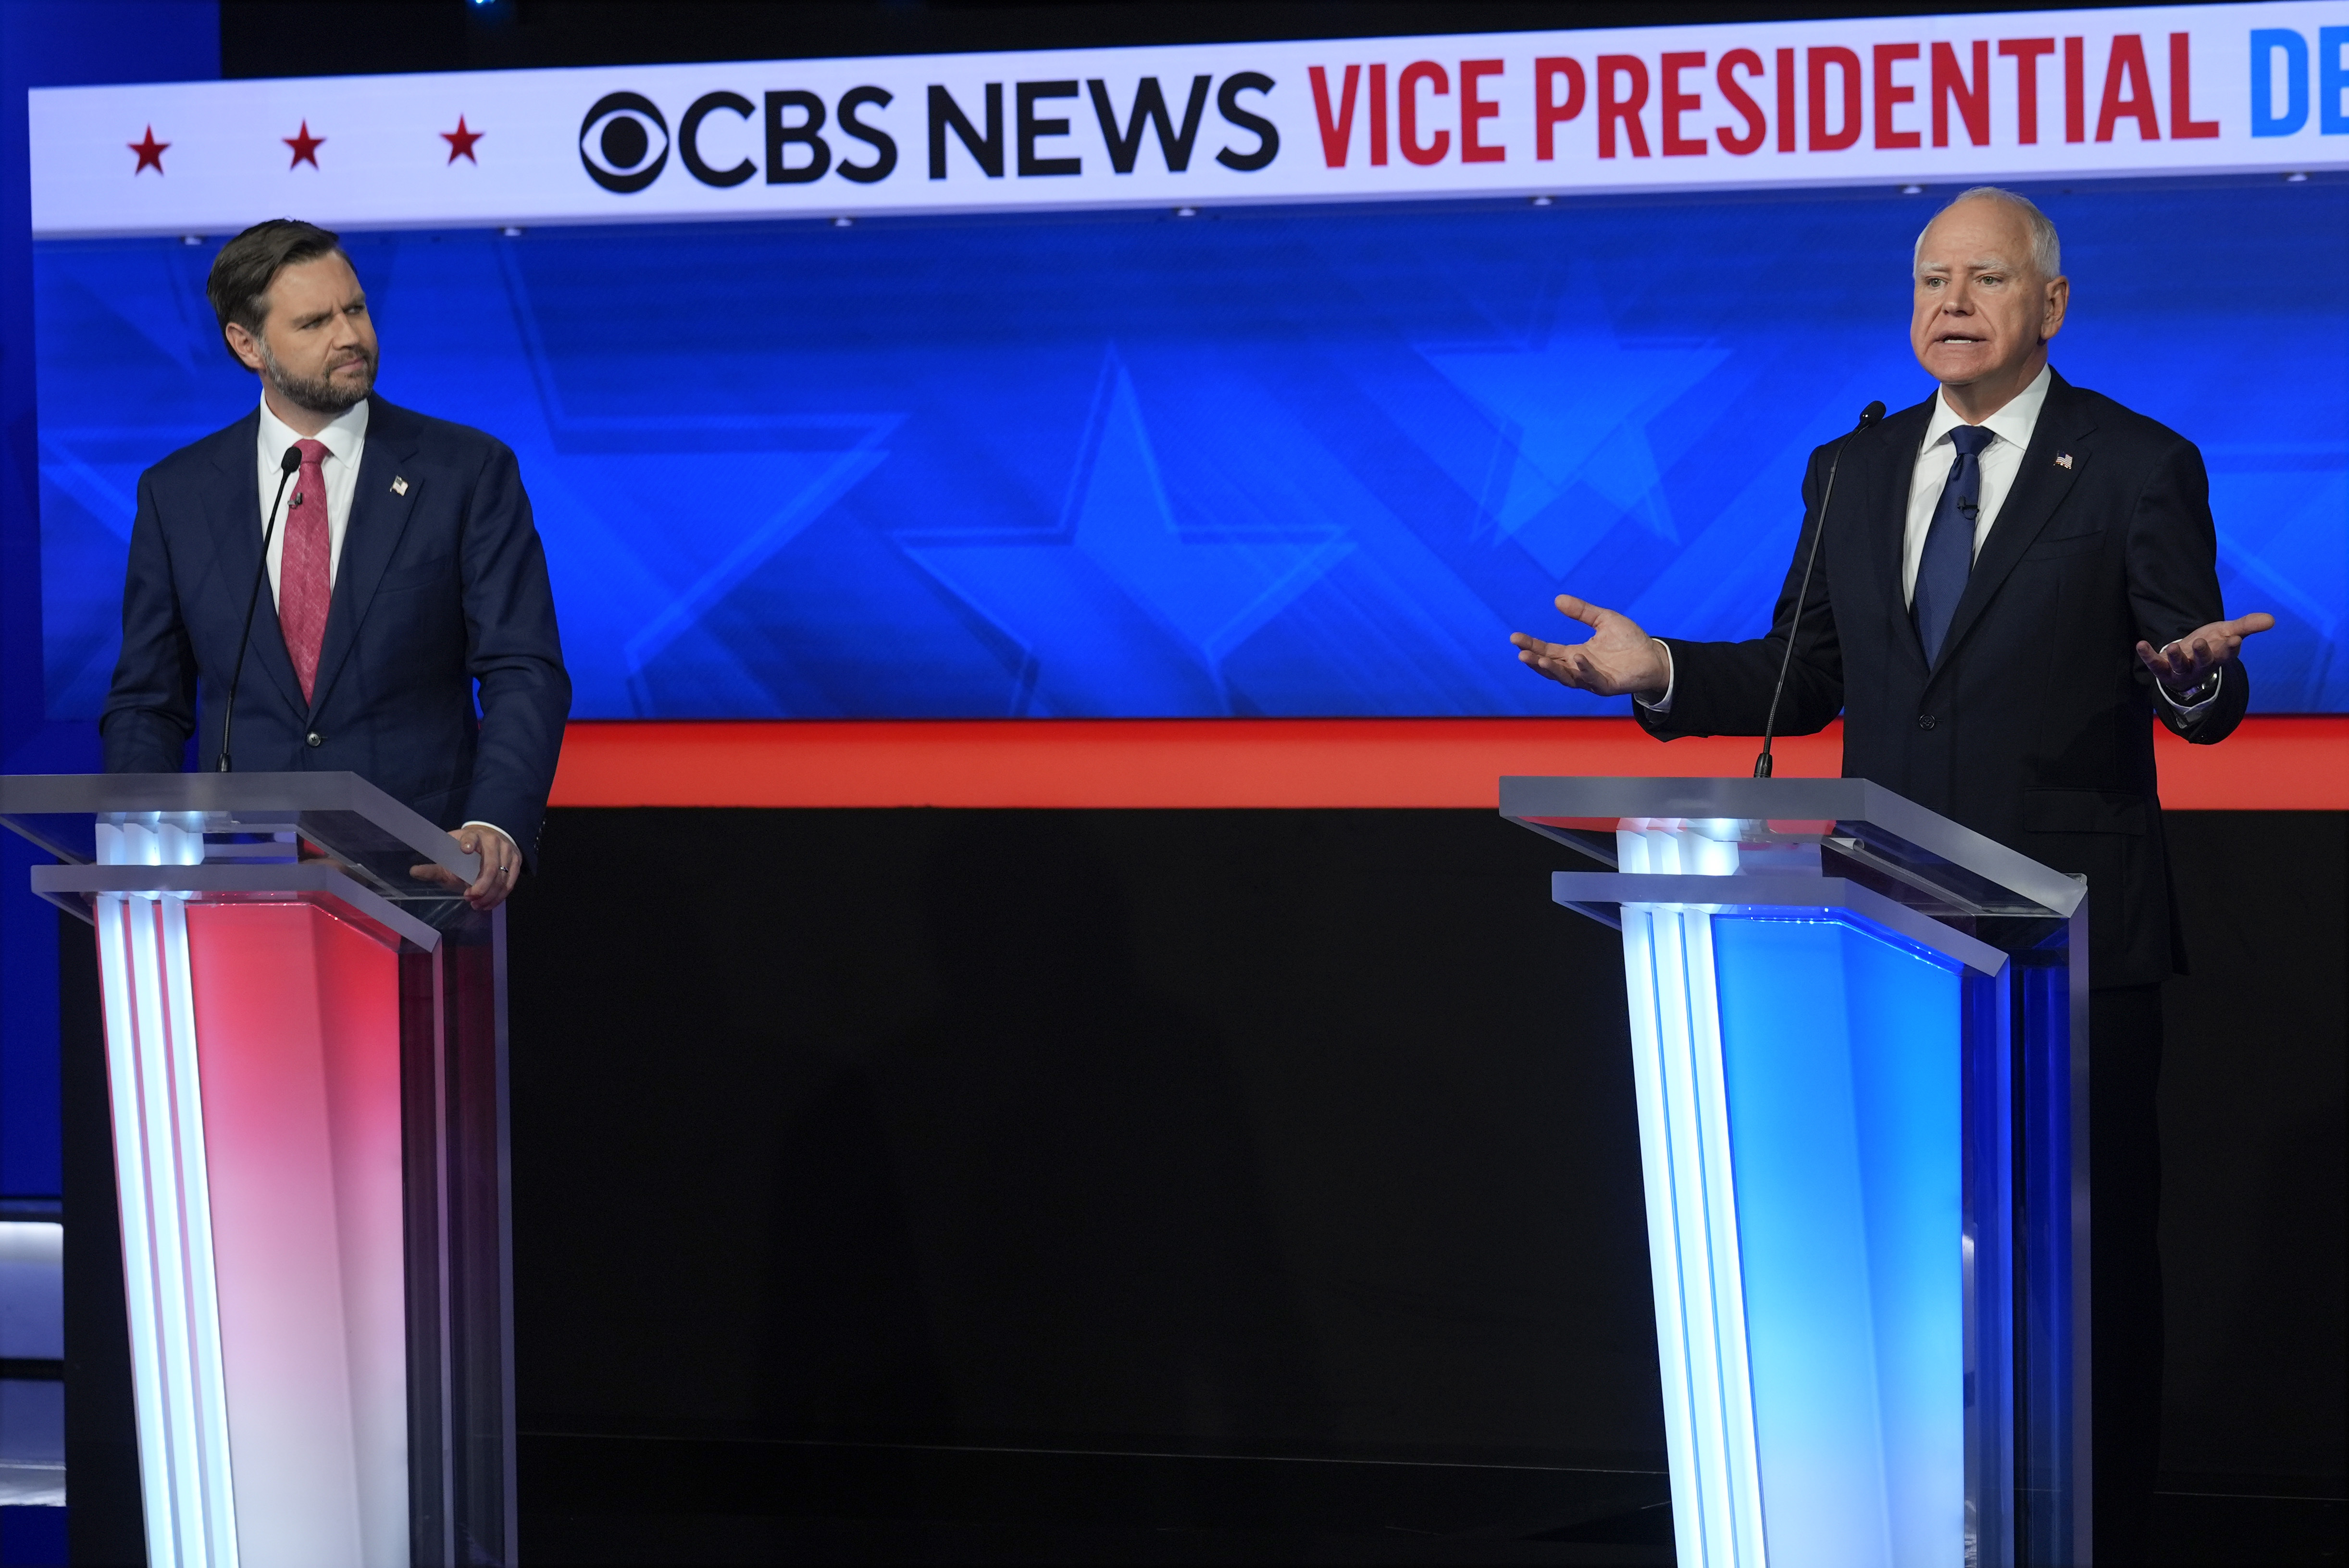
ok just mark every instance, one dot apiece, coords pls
pixel 438 588
pixel 2035 725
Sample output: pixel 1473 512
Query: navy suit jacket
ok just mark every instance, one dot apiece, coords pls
pixel 441 584
pixel 2034 727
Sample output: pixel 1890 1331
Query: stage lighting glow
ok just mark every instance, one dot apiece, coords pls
pixel 179 1384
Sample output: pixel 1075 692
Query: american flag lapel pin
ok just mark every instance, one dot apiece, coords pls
pixel 2063 459
pixel 399 486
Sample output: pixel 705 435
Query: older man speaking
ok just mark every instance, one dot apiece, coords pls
pixel 2016 578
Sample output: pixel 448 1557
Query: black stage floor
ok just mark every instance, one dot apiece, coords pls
pixel 592 1500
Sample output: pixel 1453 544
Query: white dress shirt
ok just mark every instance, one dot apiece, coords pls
pixel 345 439
pixel 2011 428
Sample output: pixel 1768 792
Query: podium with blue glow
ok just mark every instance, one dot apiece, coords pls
pixel 1858 1042
pixel 306 1072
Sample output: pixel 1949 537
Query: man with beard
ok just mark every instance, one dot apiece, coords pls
pixel 404 572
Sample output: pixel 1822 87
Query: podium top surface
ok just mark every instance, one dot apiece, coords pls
pixel 1863 830
pixel 243 819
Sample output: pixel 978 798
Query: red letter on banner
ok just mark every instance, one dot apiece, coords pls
pixel 2125 68
pixel 1613 109
pixel 1547 110
pixel 1887 95
pixel 2183 126
pixel 1677 103
pixel 1474 108
pixel 1407 112
pixel 1786 101
pixel 2075 90
pixel 1973 102
pixel 1844 135
pixel 1336 131
pixel 2026 52
pixel 1744 141
pixel 1379 115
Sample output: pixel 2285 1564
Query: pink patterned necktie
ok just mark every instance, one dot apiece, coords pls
pixel 305 570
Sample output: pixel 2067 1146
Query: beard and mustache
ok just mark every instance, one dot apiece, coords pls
pixel 320 394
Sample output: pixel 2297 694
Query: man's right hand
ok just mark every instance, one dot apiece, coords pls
pixel 1618 657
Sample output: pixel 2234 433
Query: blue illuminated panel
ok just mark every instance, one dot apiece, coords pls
pixel 1842 1062
pixel 1269 462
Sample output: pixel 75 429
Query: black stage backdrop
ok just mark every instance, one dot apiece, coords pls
pixel 1297 1133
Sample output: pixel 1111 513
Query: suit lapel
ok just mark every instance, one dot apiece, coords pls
pixel 1886 518
pixel 235 519
pixel 2040 487
pixel 378 517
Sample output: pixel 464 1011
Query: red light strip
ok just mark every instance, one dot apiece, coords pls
pixel 2283 764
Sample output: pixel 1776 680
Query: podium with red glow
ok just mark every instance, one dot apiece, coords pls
pixel 306 1069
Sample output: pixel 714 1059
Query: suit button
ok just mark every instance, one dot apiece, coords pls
pixel 1924 721
pixel 315 739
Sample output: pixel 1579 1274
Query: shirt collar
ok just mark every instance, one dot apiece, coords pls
pixel 2012 424
pixel 343 436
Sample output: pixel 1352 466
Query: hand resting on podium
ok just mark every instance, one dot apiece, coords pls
pixel 501 866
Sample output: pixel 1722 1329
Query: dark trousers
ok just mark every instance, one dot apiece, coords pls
pixel 2125 1191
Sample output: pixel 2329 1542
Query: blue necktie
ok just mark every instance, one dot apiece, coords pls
pixel 1949 558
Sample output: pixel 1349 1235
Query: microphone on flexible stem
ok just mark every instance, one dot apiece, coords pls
pixel 285 470
pixel 1867 415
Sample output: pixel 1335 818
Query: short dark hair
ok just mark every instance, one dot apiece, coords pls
pixel 246 266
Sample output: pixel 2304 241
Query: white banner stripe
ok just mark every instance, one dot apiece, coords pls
pixel 1936 99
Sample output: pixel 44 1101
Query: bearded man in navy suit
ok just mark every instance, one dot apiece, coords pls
pixel 404 574
pixel 2018 578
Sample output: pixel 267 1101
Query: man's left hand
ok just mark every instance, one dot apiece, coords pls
pixel 501 866
pixel 2186 664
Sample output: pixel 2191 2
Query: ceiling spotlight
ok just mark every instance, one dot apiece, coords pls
pixel 512 231
pixel 1187 211
pixel 1541 201
pixel 191 239
pixel 843 223
pixel 2295 178
pixel 1912 190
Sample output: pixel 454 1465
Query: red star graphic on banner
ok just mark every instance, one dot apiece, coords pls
pixel 149 151
pixel 460 143
pixel 305 147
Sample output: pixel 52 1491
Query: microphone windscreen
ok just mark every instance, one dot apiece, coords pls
pixel 1869 415
pixel 291 460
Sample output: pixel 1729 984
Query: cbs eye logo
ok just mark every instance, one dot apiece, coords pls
pixel 624 142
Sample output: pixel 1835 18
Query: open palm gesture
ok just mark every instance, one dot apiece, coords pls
pixel 1619 656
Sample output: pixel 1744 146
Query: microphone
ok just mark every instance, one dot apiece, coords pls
pixel 1867 415
pixel 286 466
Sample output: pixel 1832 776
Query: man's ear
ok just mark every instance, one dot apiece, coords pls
pixel 244 345
pixel 2058 300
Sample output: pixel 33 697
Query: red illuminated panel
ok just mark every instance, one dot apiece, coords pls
pixel 2270 764
pixel 297 1031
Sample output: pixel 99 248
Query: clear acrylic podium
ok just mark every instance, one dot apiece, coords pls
pixel 1860 1048
pixel 306 1064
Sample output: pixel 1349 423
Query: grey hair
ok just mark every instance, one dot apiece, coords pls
pixel 2046 250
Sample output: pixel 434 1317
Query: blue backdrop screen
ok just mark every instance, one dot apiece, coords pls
pixel 1274 462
